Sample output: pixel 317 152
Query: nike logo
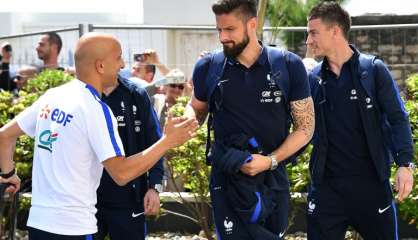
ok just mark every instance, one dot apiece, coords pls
pixel 384 209
pixel 134 215
pixel 282 234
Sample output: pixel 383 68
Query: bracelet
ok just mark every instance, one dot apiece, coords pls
pixel 9 174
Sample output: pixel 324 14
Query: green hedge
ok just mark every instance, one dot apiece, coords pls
pixel 409 208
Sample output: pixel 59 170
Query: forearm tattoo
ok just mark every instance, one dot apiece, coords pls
pixel 303 116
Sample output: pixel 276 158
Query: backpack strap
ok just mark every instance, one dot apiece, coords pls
pixel 216 68
pixel 278 61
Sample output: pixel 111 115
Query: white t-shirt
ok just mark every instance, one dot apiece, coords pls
pixel 74 132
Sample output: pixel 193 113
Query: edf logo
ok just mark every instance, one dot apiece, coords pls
pixel 60 116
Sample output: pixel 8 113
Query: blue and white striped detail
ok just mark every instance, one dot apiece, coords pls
pixel 395 219
pixel 108 119
pixel 257 209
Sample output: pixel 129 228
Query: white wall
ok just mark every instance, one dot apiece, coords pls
pixel 178 12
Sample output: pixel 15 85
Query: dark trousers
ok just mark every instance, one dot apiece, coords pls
pixel 120 224
pixel 36 234
pixel 362 202
pixel 230 227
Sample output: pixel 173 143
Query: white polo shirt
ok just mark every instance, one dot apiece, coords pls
pixel 74 132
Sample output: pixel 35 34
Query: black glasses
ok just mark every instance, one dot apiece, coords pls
pixel 179 86
pixel 18 77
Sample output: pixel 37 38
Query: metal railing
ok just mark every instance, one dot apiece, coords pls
pixel 179 46
pixel 24 46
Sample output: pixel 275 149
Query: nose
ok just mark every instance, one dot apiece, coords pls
pixel 223 36
pixel 122 64
pixel 308 40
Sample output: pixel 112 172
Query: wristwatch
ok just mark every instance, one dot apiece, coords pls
pixel 158 188
pixel 411 166
pixel 274 162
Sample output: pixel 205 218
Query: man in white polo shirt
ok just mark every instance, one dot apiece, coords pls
pixel 75 134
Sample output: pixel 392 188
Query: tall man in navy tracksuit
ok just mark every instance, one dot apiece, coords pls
pixel 255 89
pixel 361 125
pixel 121 210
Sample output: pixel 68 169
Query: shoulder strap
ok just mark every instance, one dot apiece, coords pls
pixel 366 74
pixel 215 72
pixel 278 61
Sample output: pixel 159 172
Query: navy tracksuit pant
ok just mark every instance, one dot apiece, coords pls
pixel 362 202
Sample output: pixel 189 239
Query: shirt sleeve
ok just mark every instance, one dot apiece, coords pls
pixel 200 73
pixel 103 132
pixel 392 105
pixel 27 119
pixel 299 85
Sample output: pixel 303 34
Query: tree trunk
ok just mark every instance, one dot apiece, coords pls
pixel 262 6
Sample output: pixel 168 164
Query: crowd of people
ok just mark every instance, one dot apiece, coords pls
pixel 100 139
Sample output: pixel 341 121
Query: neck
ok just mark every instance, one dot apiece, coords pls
pixel 108 90
pixel 170 102
pixel 338 57
pixel 250 53
pixel 51 62
pixel 94 81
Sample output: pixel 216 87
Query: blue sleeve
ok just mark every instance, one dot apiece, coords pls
pixel 299 85
pixel 199 78
pixel 153 134
pixel 392 106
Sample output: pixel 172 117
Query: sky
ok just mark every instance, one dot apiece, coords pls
pixel 355 7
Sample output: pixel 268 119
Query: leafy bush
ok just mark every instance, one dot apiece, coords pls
pixel 188 162
pixel 409 208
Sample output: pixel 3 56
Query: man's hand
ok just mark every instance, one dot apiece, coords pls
pixel 403 183
pixel 151 202
pixel 14 181
pixel 151 57
pixel 258 164
pixel 178 130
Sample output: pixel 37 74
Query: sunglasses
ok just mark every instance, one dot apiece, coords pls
pixel 179 86
pixel 17 77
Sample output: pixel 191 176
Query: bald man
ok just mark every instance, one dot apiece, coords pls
pixel 75 136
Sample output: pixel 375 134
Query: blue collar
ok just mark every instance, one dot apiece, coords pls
pixel 262 58
pixel 93 90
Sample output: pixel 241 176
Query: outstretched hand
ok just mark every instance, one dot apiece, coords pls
pixel 178 130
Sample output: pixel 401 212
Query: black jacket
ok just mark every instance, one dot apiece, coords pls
pixel 382 112
pixel 138 128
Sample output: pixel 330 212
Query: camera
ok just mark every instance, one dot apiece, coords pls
pixel 140 57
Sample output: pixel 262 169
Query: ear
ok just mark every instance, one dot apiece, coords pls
pixel 99 65
pixel 252 23
pixel 336 31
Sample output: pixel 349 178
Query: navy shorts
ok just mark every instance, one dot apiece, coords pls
pixel 120 224
pixel 363 203
pixel 36 234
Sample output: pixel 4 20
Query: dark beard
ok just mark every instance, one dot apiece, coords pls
pixel 236 49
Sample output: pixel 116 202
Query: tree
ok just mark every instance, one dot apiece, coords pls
pixel 290 13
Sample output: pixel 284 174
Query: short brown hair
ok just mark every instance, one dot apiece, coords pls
pixel 245 8
pixel 332 13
